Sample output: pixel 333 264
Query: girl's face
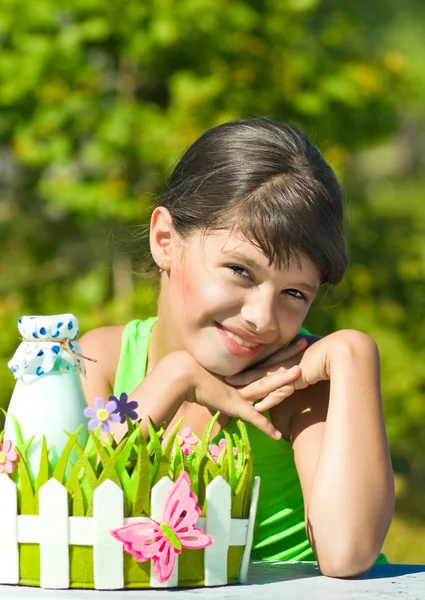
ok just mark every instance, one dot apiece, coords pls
pixel 223 303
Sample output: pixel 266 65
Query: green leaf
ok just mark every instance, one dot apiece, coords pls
pixel 163 468
pixel 240 457
pixel 83 475
pixel 127 483
pixel 206 436
pixel 141 500
pixel 25 490
pixel 177 465
pixel 230 461
pixel 126 451
pixel 109 472
pixel 86 466
pixel 208 469
pixel 60 469
pixel 87 492
pixel 20 444
pixel 198 468
pixel 130 425
pixel 224 470
pixel 77 497
pixel 43 473
pixel 112 444
pixel 100 447
pixel 73 479
pixel 242 493
pixel 244 489
pixel 154 444
pixel 191 466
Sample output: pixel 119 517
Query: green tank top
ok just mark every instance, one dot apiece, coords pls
pixel 279 529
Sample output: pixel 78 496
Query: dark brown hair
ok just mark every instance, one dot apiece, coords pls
pixel 267 181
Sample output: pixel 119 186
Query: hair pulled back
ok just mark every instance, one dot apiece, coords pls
pixel 267 181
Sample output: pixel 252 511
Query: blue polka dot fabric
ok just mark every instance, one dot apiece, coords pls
pixel 43 346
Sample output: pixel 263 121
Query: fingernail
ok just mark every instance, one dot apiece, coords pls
pixel 300 342
pixel 277 435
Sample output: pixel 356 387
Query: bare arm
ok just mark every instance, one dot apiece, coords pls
pixel 176 378
pixel 342 456
pixel 154 394
pixel 103 347
pixel 333 415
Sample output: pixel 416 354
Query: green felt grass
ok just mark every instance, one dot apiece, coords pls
pixel 135 465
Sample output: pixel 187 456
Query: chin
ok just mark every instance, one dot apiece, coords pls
pixel 217 360
pixel 224 367
pixel 223 372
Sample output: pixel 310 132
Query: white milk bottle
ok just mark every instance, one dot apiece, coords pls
pixel 48 398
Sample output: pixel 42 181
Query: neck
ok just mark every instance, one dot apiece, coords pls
pixel 164 337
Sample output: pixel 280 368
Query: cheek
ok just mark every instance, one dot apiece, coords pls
pixel 201 294
pixel 187 292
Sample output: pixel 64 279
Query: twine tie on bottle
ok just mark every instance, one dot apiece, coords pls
pixel 65 344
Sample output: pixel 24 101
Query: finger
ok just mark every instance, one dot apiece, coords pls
pixel 232 404
pixel 248 413
pixel 275 397
pixel 261 388
pixel 260 370
pixel 248 377
pixel 287 353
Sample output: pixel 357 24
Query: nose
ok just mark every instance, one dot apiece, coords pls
pixel 260 313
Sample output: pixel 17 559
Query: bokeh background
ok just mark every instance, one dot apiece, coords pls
pixel 99 99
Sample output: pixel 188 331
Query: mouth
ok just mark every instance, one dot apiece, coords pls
pixel 236 344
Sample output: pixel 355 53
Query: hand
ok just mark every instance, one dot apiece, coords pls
pixel 211 391
pixel 311 365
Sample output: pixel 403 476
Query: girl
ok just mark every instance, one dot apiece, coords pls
pixel 248 227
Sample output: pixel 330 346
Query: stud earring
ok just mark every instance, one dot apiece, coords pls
pixel 161 270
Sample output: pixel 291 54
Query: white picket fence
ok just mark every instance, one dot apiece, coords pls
pixel 55 531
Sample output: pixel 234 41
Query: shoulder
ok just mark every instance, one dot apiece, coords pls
pixel 102 339
pixel 103 347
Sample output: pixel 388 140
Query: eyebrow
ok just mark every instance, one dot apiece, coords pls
pixel 249 262
pixel 238 256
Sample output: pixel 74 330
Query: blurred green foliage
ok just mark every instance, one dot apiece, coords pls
pixel 98 100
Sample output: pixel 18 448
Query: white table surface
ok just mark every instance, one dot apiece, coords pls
pixel 268 580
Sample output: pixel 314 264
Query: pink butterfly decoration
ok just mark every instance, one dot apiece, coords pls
pixel 161 542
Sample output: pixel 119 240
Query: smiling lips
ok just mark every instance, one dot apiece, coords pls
pixel 237 345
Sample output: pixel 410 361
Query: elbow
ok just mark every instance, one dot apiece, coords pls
pixel 348 556
pixel 356 549
pixel 348 565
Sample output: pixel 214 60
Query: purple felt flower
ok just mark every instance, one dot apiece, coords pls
pixel 102 414
pixel 125 408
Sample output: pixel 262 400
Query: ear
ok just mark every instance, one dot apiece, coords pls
pixel 162 237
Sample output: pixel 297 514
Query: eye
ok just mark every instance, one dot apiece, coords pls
pixel 240 271
pixel 296 294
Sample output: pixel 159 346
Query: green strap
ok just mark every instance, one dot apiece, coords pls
pixel 134 349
